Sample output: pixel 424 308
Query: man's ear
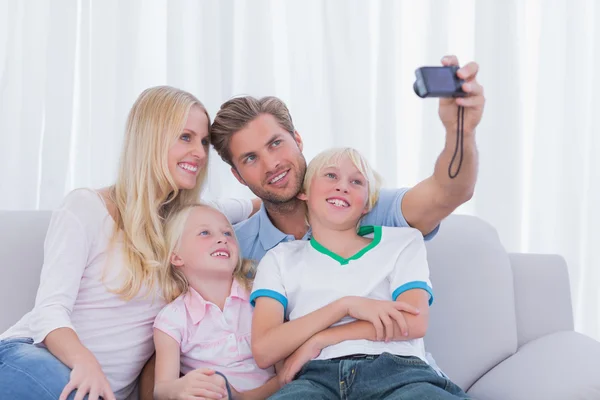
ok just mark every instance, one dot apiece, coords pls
pixel 298 140
pixel 237 175
pixel 176 260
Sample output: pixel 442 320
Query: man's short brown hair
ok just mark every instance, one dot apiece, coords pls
pixel 236 113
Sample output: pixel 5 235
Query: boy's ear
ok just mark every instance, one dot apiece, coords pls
pixel 302 196
pixel 176 260
pixel 366 209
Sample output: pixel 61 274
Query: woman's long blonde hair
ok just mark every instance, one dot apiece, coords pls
pixel 145 192
pixel 173 280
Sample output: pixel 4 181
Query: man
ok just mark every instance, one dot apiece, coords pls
pixel 256 137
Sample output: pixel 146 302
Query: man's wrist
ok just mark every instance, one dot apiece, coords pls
pixel 451 132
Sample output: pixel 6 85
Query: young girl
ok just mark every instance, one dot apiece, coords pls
pixel 324 286
pixel 204 332
pixel 90 331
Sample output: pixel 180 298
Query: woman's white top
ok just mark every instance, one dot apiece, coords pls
pixel 78 272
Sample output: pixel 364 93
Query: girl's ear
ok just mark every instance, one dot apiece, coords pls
pixel 176 260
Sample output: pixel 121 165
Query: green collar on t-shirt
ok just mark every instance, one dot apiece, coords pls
pixel 364 230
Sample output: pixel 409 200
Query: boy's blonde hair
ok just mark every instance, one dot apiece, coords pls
pixel 145 191
pixel 332 157
pixel 174 281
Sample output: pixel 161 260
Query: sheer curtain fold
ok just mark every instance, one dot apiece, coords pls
pixel 69 74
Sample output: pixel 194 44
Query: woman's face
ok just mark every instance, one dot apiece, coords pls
pixel 188 155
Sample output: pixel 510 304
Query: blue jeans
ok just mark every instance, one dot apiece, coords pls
pixel 370 377
pixel 31 372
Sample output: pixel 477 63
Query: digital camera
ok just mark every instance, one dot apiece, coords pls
pixel 438 82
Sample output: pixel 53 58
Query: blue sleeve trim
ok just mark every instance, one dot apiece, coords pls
pixel 413 285
pixel 269 293
pixel 432 234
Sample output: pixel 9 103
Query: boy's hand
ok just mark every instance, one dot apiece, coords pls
pixel 294 363
pixel 200 383
pixel 382 314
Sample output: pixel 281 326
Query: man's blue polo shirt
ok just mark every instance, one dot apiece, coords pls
pixel 257 234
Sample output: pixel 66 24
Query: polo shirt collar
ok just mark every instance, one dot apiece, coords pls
pixel 196 304
pixel 268 234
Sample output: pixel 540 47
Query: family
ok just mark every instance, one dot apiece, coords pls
pixel 318 288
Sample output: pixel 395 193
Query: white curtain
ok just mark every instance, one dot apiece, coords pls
pixel 71 69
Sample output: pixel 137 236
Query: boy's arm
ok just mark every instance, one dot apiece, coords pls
pixel 273 340
pixel 416 324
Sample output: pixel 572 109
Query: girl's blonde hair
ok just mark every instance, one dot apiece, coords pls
pixel 332 158
pixel 173 280
pixel 145 191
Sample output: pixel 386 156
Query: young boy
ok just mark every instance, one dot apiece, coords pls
pixel 344 285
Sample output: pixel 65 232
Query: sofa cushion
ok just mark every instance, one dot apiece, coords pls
pixel 472 324
pixel 22 235
pixel 569 358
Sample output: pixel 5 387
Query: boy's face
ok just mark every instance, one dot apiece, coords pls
pixel 337 195
pixel 268 160
pixel 208 245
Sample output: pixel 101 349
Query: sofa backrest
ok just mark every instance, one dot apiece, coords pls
pixel 472 325
pixel 472 320
pixel 22 236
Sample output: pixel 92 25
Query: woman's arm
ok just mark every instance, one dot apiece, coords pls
pixel 86 375
pixel 256 204
pixel 66 249
pixel 236 210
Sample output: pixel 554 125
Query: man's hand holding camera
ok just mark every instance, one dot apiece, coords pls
pixel 473 102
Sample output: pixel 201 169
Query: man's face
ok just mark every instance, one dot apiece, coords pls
pixel 268 160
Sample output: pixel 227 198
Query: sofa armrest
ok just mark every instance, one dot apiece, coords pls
pixel 542 295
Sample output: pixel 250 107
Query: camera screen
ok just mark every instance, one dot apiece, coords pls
pixel 440 79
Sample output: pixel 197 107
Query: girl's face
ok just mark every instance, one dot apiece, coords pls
pixel 338 195
pixel 188 155
pixel 208 245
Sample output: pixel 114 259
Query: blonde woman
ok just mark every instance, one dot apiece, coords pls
pixel 90 331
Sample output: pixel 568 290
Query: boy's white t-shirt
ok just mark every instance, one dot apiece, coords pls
pixel 304 277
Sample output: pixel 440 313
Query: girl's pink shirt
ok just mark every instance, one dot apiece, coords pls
pixel 215 339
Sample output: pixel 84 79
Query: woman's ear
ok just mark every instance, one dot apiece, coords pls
pixel 176 260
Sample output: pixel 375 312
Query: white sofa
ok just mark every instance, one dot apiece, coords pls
pixel 501 324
